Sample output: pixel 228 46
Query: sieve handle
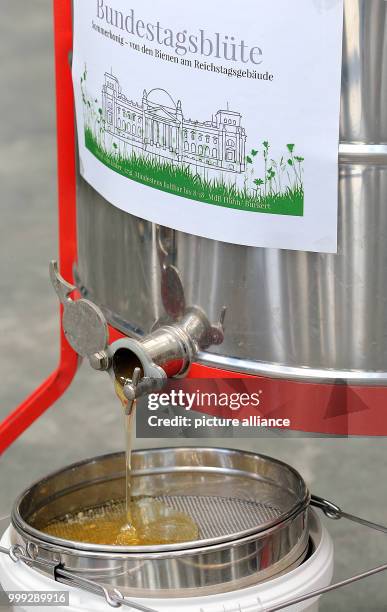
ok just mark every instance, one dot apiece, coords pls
pixel 335 512
pixel 113 597
pixel 328 589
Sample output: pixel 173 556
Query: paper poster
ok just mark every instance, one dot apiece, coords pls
pixel 217 119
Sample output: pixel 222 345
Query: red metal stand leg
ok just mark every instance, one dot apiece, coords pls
pixel 23 416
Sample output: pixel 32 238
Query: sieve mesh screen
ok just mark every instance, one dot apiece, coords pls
pixel 222 516
pixel 215 517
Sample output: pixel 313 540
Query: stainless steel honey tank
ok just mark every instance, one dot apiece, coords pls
pixel 289 314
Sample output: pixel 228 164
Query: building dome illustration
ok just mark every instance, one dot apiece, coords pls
pixel 157 128
pixel 160 97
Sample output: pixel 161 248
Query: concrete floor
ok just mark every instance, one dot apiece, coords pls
pixel 86 421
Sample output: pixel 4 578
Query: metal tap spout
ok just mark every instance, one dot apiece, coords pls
pixel 138 366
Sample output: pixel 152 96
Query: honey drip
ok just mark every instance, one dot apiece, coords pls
pixel 129 530
pixel 139 522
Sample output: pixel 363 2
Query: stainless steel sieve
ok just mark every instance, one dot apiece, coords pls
pixel 252 512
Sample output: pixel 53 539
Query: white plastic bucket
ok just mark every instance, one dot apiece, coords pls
pixel 315 573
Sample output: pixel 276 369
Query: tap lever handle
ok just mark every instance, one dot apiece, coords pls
pixel 62 287
pixel 217 330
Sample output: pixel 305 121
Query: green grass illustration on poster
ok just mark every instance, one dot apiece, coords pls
pixel 152 143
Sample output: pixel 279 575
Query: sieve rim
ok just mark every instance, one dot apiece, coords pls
pixel 264 529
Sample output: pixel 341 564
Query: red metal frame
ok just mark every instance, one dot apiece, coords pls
pixel 326 408
pixel 56 384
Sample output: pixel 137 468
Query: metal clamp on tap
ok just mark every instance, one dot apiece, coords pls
pixel 139 366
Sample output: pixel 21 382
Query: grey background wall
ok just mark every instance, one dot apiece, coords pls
pixel 86 421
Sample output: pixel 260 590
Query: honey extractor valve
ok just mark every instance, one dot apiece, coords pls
pixel 139 366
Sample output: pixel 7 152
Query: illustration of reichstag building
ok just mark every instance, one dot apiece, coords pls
pixel 158 127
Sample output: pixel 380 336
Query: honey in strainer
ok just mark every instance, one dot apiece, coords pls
pixel 152 523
